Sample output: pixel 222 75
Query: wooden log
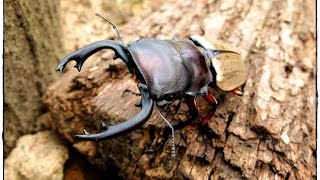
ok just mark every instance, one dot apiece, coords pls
pixel 269 133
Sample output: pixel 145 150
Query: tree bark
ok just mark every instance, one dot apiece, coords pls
pixel 31 47
pixel 269 133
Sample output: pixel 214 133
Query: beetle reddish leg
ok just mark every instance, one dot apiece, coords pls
pixel 192 105
pixel 204 121
pixel 213 101
pixel 237 91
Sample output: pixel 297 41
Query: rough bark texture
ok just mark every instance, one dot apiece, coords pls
pixel 269 133
pixel 31 48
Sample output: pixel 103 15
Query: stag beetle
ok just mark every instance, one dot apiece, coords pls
pixel 167 70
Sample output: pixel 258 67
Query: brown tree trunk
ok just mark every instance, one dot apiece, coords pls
pixel 269 133
pixel 31 47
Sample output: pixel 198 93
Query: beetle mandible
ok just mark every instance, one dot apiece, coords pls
pixel 168 70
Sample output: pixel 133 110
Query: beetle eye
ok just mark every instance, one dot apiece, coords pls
pixel 169 97
pixel 166 99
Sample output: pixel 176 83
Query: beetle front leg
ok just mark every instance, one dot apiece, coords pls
pixel 203 128
pixel 193 110
pixel 214 102
pixel 237 91
pixel 192 105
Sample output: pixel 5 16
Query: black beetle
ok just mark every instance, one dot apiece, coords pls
pixel 168 70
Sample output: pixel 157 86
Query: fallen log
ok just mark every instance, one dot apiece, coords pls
pixel 268 133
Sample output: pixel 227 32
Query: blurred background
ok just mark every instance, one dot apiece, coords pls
pixel 268 133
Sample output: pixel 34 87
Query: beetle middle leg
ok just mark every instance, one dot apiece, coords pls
pixel 193 110
pixel 160 141
pixel 192 105
pixel 204 129
pixel 166 131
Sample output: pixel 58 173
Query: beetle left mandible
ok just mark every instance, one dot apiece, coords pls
pixel 168 70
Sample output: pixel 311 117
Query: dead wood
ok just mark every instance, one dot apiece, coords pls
pixel 268 133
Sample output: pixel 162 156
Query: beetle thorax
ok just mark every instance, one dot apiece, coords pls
pixel 170 68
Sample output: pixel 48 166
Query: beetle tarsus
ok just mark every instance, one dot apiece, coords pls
pixel 237 91
pixel 149 150
pixel 205 131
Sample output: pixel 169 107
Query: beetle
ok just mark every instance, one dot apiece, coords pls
pixel 167 70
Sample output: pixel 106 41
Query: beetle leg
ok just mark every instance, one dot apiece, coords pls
pixel 204 129
pixel 158 146
pixel 149 150
pixel 81 55
pixel 204 132
pixel 212 100
pixel 237 91
pixel 192 105
pixel 127 126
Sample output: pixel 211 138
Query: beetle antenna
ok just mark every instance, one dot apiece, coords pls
pixel 113 26
pixel 173 150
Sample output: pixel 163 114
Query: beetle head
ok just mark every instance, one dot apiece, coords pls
pixel 80 56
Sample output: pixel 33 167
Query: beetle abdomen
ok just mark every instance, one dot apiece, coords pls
pixel 230 68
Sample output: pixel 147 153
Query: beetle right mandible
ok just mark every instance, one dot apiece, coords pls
pixel 168 70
